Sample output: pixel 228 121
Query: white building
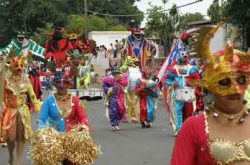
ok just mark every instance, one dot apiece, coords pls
pixel 107 37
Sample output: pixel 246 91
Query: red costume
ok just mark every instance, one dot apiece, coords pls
pixel 58 47
pixel 191 144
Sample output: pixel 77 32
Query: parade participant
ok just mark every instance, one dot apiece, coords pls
pixel 58 47
pixel 76 43
pixel 137 46
pixel 83 79
pixel 62 111
pixel 145 89
pixel 34 77
pixel 21 44
pixel 221 134
pixel 132 66
pixel 16 122
pixel 178 80
pixel 112 87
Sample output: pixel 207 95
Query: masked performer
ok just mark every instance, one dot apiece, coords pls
pixel 181 96
pixel 221 135
pixel 16 122
pixel 137 46
pixel 57 48
pixel 145 89
pixel 112 86
pixel 21 44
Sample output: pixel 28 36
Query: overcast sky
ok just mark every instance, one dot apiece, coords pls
pixel 197 7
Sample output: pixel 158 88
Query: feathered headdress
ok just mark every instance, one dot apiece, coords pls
pixel 227 71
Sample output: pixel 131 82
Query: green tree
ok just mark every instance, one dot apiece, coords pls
pixel 33 15
pixel 118 28
pixel 234 12
pixel 215 12
pixel 189 17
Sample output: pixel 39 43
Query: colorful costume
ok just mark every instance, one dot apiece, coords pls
pixel 113 89
pixel 146 91
pixel 226 73
pixel 34 77
pixel 138 47
pixel 58 48
pixel 180 110
pixel 133 74
pixel 84 75
pixel 76 43
pixel 70 120
pixel 15 102
pixel 21 44
pixel 63 121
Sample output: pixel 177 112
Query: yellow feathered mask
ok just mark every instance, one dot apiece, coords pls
pixel 227 71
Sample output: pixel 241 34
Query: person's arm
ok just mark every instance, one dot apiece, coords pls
pixel 123 81
pixel 184 151
pixel 37 104
pixel 7 49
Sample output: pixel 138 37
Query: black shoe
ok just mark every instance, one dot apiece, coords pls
pixel 143 125
pixel 148 126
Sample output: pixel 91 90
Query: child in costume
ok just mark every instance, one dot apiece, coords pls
pixel 112 87
pixel 146 91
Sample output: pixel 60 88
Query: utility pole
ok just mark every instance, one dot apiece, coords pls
pixel 86 19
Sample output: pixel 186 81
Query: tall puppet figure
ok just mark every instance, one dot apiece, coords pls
pixel 58 47
pixel 137 46
pixel 146 90
pixel 21 44
pixel 16 122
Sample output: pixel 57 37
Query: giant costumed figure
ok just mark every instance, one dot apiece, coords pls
pixel 21 44
pixel 137 46
pixel 58 48
pixel 15 126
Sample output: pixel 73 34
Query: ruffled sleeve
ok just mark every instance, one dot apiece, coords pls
pixel 184 152
pixel 80 113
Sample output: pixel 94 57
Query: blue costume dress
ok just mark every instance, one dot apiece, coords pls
pixel 175 74
pixel 50 115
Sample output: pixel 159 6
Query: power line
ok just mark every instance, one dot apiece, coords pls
pixel 137 15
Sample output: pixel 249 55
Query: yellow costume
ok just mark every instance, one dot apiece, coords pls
pixel 15 103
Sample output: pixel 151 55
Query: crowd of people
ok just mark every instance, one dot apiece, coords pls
pixel 204 96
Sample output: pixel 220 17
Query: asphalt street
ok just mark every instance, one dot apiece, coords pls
pixel 132 145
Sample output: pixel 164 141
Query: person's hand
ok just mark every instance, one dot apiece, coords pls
pixel 175 85
pixel 110 91
pixel 82 82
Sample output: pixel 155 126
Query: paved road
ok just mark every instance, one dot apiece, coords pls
pixel 132 145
